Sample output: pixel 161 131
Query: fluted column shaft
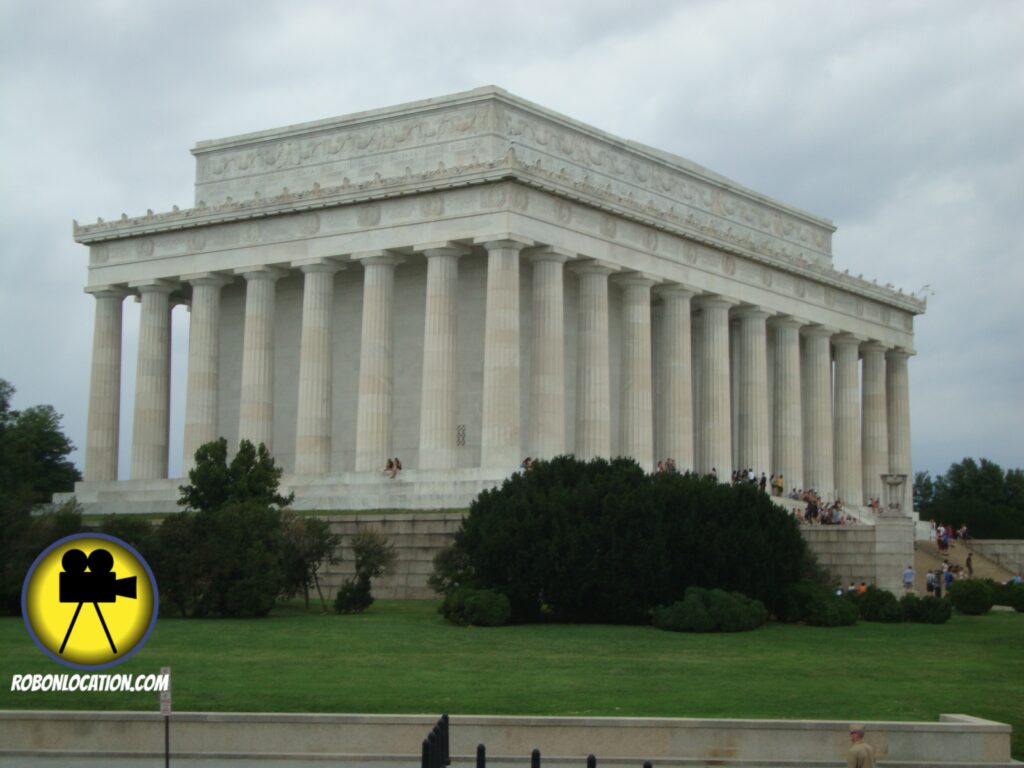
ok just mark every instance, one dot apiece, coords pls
pixel 500 428
pixel 897 393
pixel 203 361
pixel 848 473
pixel 313 420
pixel 875 430
pixel 636 421
pixel 753 406
pixel 547 366
pixel 676 387
pixel 593 374
pixel 256 408
pixel 715 407
pixel 437 408
pixel 787 439
pixel 373 418
pixel 150 430
pixel 818 431
pixel 103 434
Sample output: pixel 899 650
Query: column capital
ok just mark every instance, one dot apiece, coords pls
pixel 714 301
pixel 107 291
pixel 503 240
pixel 873 345
pixel 675 291
pixel 261 272
pixel 548 253
pixel 751 312
pixel 845 339
pixel 787 321
pixel 594 267
pixel 387 258
pixel 154 286
pixel 817 331
pixel 207 278
pixel 317 265
pixel 442 248
pixel 641 279
pixel 900 353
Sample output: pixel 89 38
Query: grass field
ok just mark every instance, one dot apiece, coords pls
pixel 401 657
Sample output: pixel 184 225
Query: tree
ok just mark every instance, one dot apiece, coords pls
pixel 252 475
pixel 373 554
pixel 225 555
pixel 976 493
pixel 308 543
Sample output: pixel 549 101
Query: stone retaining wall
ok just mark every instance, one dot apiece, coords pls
pixel 1009 553
pixel 956 741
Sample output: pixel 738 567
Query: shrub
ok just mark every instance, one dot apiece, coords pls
pixel 601 541
pixel 972 597
pixel 831 610
pixel 1009 594
pixel 879 605
pixel 713 610
pixel 373 554
pixel 477 607
pixel 925 610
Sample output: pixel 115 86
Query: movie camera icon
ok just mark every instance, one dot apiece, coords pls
pixel 98 585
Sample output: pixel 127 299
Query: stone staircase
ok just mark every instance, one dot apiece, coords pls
pixel 927 558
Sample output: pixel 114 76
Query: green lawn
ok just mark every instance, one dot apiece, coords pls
pixel 401 657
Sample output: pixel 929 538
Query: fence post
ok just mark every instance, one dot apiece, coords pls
pixel 425 758
pixel 446 754
pixel 591 761
pixel 535 759
pixel 481 756
pixel 647 764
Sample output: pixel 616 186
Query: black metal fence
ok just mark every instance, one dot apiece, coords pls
pixel 436 752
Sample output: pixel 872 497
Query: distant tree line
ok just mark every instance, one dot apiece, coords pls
pixel 980 494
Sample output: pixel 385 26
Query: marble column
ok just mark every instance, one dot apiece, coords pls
pixel 848 473
pixel 256 407
pixel 373 415
pixel 103 434
pixel 636 421
pixel 715 408
pixel 818 431
pixel 897 396
pixel 203 364
pixel 676 388
pixel 150 433
pixel 316 391
pixel 500 444
pixel 874 430
pixel 753 395
pixel 787 439
pixel 593 374
pixel 697 379
pixel 437 402
pixel 547 365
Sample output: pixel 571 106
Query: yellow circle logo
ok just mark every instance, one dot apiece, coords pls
pixel 89 601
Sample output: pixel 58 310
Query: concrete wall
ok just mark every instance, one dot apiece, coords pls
pixel 1009 553
pixel 955 741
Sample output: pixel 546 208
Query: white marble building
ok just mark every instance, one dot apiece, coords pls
pixel 465 281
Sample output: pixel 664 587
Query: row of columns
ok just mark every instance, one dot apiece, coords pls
pixel 832 436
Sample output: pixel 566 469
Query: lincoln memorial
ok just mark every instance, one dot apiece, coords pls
pixel 465 281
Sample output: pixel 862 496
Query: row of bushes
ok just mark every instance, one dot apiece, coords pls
pixel 711 610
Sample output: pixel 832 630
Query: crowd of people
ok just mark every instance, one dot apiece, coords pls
pixel 942 536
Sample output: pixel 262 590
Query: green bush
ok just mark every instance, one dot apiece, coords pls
pixel 816 604
pixel 601 541
pixel 1008 594
pixel 879 605
pixel 712 610
pixel 353 597
pixel 972 597
pixel 476 607
pixel 925 610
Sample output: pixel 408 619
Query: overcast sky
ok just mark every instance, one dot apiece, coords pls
pixel 902 122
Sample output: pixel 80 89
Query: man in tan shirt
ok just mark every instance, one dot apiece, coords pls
pixel 861 754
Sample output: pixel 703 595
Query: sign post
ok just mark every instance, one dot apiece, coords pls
pixel 165 710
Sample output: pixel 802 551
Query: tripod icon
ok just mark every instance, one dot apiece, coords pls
pixel 99 585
